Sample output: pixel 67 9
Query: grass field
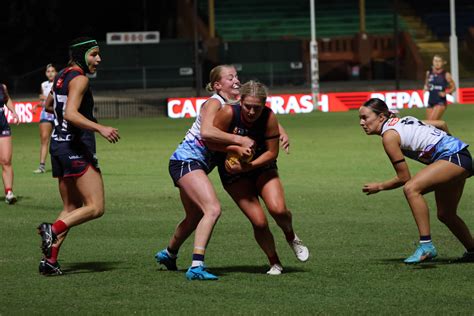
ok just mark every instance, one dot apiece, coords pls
pixel 357 242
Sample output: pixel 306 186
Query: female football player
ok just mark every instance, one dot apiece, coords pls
pixel 46 119
pixel 189 166
pixel 449 164
pixel 73 150
pixel 6 144
pixel 438 83
pixel 246 180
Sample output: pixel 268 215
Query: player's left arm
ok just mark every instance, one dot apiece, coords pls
pixel 284 139
pixel 272 136
pixel 77 88
pixel 438 124
pixel 391 144
pixel 451 86
pixel 10 106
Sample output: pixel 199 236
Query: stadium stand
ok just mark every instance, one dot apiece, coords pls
pixel 279 19
pixel 435 13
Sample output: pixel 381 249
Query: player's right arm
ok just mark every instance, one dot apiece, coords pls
pixel 211 133
pixel 425 87
pixel 77 88
pixel 49 103
pixel 222 122
pixel 391 144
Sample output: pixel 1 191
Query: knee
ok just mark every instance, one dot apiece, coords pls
pixel 445 217
pixel 5 162
pixel 193 219
pixel 410 189
pixel 279 210
pixel 260 225
pixel 213 212
pixel 98 210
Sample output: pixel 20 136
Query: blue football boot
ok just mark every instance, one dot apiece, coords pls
pixel 424 252
pixel 199 273
pixel 162 257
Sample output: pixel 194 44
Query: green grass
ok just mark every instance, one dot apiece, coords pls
pixel 357 242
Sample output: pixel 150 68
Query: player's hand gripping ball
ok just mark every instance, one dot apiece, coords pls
pixel 233 161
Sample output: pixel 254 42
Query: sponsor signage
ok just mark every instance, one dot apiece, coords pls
pixel 120 38
pixel 282 104
pixel 24 110
pixel 328 102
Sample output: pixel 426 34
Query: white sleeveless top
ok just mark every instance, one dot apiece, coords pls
pixel 192 147
pixel 421 141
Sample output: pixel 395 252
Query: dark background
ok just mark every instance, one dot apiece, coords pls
pixel 35 33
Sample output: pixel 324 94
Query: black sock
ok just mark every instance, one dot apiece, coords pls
pixel 172 251
pixel 425 239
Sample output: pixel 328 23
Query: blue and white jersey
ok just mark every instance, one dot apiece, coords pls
pixel 46 87
pixel 422 142
pixel 45 90
pixel 192 147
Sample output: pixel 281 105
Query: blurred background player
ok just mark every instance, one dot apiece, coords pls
pixel 73 150
pixel 46 119
pixel 246 182
pixel 189 166
pixel 6 144
pixel 438 83
pixel 449 164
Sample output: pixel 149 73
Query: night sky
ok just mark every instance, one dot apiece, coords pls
pixel 35 33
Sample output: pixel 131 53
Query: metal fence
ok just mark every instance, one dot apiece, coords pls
pixel 116 109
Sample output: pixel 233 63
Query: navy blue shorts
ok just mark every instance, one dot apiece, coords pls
pixel 463 159
pixel 178 168
pixel 73 164
pixel 5 132
pixel 227 178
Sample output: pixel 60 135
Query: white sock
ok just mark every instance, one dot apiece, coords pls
pixel 197 263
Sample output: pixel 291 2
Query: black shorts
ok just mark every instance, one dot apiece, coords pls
pixel 462 159
pixel 73 164
pixel 5 130
pixel 432 102
pixel 178 168
pixel 227 178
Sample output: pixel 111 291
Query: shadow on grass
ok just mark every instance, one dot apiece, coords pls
pixel 220 271
pixel 424 265
pixel 90 267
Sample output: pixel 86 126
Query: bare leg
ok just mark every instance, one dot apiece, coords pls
pixel 91 189
pixel 244 193
pixel 188 224
pixel 6 161
pixel 438 111
pixel 273 195
pixel 72 200
pixel 429 113
pixel 447 200
pixel 198 188
pixel 427 180
pixel 45 134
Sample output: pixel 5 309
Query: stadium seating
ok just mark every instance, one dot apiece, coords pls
pixel 435 13
pixel 281 19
